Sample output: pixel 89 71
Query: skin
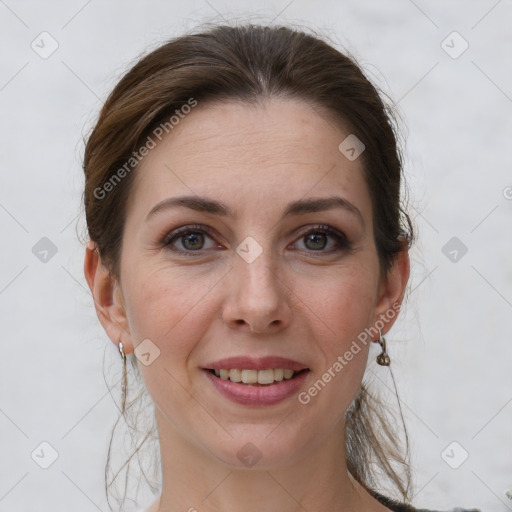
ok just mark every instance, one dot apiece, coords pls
pixel 297 300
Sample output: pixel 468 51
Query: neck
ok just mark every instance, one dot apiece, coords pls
pixel 317 480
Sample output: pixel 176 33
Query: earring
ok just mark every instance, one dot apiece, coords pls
pixel 121 351
pixel 383 358
pixel 124 378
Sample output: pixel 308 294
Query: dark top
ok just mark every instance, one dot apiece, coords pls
pixel 397 506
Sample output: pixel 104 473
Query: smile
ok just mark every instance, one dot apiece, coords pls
pixel 256 377
pixel 248 391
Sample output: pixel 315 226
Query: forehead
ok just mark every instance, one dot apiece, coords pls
pixel 272 151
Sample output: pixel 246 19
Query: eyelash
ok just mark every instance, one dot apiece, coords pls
pixel 341 240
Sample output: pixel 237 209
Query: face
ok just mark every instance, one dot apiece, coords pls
pixel 254 268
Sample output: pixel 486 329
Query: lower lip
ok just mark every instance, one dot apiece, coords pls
pixel 257 395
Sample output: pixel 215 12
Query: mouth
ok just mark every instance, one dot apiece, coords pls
pixel 256 378
pixel 262 386
pixel 256 382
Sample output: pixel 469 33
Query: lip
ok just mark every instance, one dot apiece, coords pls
pixel 251 363
pixel 257 396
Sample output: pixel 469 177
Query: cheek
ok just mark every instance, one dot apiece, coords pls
pixel 344 308
pixel 343 301
pixel 341 308
pixel 167 308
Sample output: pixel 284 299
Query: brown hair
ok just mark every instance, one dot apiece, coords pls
pixel 251 63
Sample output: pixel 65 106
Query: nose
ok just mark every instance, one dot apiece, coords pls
pixel 257 297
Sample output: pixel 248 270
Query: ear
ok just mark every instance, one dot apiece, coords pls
pixel 108 298
pixel 392 289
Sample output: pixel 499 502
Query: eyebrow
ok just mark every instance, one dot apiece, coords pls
pixel 302 206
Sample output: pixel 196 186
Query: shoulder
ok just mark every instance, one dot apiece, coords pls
pixel 456 509
pixel 396 506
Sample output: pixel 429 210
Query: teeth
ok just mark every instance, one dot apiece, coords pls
pixel 255 376
pixel 235 375
pixel 250 376
pixel 279 374
pixel 265 376
pixel 288 374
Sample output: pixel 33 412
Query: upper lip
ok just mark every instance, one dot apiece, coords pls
pixel 251 363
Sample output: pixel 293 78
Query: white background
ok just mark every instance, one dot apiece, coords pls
pixel 451 349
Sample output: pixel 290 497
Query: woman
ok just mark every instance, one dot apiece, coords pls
pixel 247 243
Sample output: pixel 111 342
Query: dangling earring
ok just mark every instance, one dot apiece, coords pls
pixel 383 358
pixel 124 377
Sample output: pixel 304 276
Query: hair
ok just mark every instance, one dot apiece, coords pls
pixel 251 63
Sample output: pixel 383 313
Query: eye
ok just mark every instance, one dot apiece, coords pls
pixel 191 239
pixel 316 239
